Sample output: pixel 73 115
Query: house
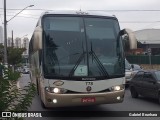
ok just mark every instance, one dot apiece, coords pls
pixel 150 39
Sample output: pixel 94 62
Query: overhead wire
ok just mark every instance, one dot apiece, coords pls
pixel 129 10
pixel 136 10
pixel 94 10
pixel 139 21
pixel 21 14
pixel 27 9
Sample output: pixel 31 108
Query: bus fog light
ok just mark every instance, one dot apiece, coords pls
pixel 118 98
pixel 54 100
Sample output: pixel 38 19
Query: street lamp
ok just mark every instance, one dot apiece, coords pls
pixel 19 12
pixel 5 31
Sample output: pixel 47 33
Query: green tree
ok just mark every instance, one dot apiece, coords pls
pixel 15 55
pixel 1 52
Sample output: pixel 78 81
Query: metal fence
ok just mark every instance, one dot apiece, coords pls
pixel 143 59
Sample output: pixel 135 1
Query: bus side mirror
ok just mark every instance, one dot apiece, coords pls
pixel 131 38
pixel 37 38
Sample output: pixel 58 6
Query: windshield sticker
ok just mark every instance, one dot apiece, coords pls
pixel 81 71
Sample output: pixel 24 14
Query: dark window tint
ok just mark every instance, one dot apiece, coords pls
pixel 139 76
pixel 147 76
pixel 68 41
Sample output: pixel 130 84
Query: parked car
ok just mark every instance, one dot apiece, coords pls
pixel 130 71
pixel 25 70
pixel 19 69
pixel 146 83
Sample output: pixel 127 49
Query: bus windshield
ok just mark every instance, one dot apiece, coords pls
pixel 81 47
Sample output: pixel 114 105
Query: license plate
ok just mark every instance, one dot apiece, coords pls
pixel 87 100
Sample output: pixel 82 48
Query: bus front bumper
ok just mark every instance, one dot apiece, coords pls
pixel 63 100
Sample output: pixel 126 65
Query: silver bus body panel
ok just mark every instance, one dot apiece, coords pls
pixel 64 100
pixel 80 86
pixel 75 99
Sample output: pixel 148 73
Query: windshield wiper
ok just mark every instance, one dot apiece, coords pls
pixel 77 63
pixel 100 65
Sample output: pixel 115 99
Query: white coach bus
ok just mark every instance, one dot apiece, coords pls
pixel 77 58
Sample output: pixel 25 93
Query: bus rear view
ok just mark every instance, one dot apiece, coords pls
pixel 77 59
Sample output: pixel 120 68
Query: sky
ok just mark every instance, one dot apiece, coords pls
pixel 133 14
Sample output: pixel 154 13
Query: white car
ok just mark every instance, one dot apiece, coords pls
pixel 25 70
pixel 130 71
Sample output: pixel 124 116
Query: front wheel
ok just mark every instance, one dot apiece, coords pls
pixel 43 105
pixel 134 93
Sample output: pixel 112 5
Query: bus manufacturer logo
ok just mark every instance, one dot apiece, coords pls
pixel 89 88
pixel 58 83
pixel 88 78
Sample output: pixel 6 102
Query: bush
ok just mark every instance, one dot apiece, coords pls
pixel 12 98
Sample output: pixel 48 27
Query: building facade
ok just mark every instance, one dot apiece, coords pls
pixel 25 44
pixel 18 43
pixel 9 42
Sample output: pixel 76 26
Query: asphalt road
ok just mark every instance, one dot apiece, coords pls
pixel 129 104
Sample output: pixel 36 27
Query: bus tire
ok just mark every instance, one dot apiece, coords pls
pixel 43 105
pixel 134 93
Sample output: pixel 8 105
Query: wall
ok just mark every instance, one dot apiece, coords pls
pixel 148 67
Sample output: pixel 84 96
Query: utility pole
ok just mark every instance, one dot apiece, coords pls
pixel 5 36
pixel 5 31
pixel 12 40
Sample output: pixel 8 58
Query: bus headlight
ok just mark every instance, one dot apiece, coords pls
pixel 116 88
pixel 56 90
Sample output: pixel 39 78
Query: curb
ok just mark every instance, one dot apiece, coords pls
pixel 18 84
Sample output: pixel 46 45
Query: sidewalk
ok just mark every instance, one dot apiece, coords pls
pixel 23 81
